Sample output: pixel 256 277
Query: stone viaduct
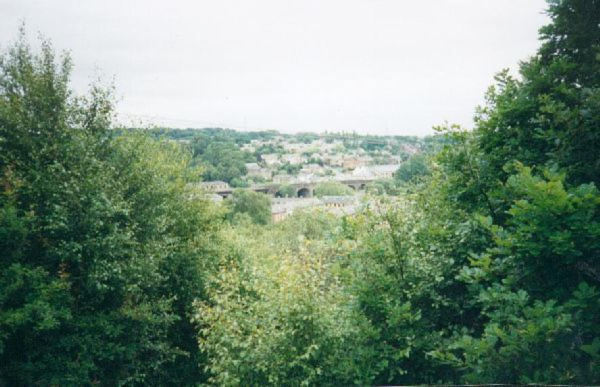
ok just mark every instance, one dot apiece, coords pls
pixel 303 190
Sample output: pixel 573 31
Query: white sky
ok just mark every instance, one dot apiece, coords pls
pixel 374 66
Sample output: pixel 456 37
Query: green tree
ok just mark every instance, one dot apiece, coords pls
pixel 533 287
pixel 102 251
pixel 287 191
pixel 239 183
pixel 333 188
pixel 254 204
pixel 551 114
pixel 526 174
pixel 224 161
pixel 415 167
pixel 290 169
pixel 279 315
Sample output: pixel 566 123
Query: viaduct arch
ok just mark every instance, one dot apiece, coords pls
pixel 302 190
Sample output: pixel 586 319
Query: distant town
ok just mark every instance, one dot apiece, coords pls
pixel 291 169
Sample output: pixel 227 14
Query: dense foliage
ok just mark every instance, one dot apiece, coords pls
pixel 278 313
pixel 221 159
pixel 333 188
pixel 484 269
pixel 248 204
pixel 414 168
pixel 550 115
pixel 102 254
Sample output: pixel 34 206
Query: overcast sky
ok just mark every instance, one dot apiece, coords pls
pixel 374 66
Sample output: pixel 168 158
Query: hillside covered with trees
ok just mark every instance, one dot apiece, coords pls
pixel 483 267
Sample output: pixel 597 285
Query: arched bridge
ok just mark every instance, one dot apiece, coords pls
pixel 302 190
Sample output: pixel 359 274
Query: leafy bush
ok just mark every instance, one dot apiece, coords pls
pixel 254 204
pixel 102 251
pixel 333 188
pixel 415 167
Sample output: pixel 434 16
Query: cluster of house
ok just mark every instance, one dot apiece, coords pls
pixel 311 175
pixel 316 162
pixel 281 208
pixel 295 147
pixel 353 160
pixel 316 172
pixel 331 155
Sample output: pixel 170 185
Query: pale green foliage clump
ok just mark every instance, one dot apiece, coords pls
pixel 287 191
pixel 282 318
pixel 283 323
pixel 383 187
pixel 333 188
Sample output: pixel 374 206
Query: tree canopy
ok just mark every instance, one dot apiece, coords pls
pixel 256 205
pixel 333 188
pixel 102 252
pixel 221 160
pixel 415 167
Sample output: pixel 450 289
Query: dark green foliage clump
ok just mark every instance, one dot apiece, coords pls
pixel 551 115
pixel 102 254
pixel 414 168
pixel 221 160
pixel 247 203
